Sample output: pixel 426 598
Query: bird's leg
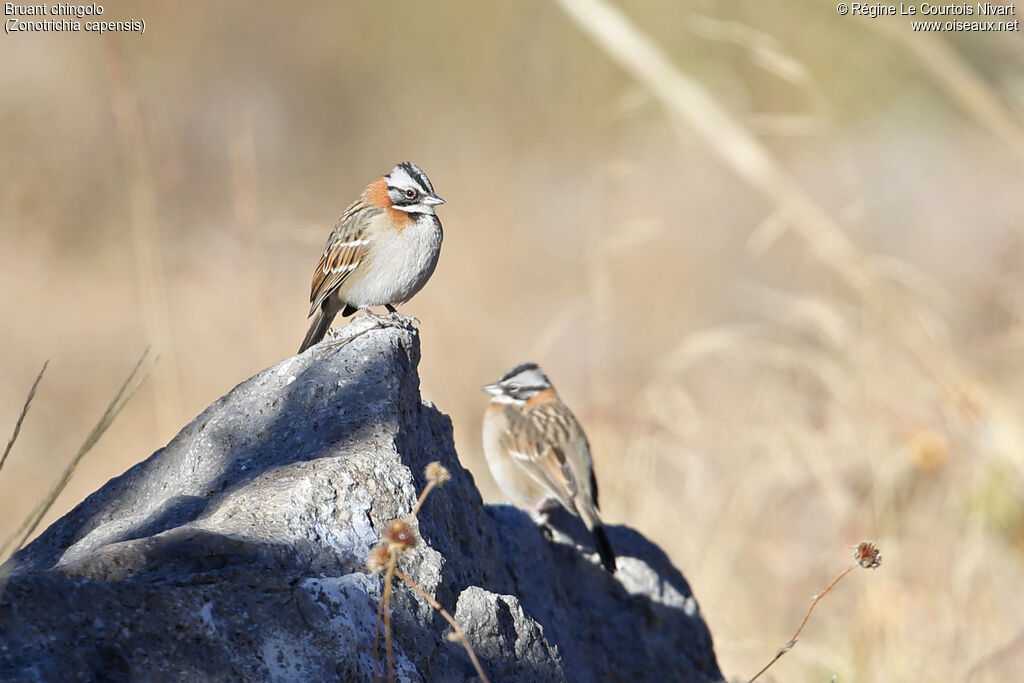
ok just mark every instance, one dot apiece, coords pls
pixel 391 319
pixel 540 518
pixel 394 311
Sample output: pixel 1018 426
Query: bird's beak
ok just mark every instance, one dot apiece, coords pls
pixel 433 200
pixel 492 389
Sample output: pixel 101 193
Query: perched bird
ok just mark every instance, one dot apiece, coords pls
pixel 538 452
pixel 382 251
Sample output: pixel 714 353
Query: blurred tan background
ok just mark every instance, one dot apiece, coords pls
pixel 753 407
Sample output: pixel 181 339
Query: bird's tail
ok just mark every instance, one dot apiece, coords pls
pixel 317 329
pixel 596 528
pixel 604 548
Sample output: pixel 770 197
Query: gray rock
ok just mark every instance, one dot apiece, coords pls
pixel 237 552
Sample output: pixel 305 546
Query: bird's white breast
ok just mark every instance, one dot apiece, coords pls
pixel 398 263
pixel 512 479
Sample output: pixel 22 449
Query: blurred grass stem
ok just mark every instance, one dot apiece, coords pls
pixel 961 81
pixel 121 398
pixel 145 229
pixel 689 102
pixel 684 97
pixel 245 202
pixel 21 417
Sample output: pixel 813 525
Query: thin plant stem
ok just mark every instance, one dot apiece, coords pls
pixel 388 579
pixel 398 537
pixel 121 398
pixel 451 620
pixel 807 615
pixel 21 417
pixel 376 635
pixel 423 496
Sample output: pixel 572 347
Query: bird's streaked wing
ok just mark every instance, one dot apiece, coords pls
pixel 538 438
pixel 343 252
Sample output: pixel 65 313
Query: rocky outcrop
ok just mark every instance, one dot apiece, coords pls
pixel 237 552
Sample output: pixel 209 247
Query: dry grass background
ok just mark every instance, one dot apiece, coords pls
pixel 758 402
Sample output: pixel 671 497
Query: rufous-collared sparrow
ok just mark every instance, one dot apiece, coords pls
pixel 382 251
pixel 538 452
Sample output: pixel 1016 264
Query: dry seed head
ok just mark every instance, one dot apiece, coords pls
pixel 437 474
pixel 400 535
pixel 868 555
pixel 377 560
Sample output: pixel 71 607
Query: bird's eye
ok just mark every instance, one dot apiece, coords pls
pixel 410 193
pixel 512 387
